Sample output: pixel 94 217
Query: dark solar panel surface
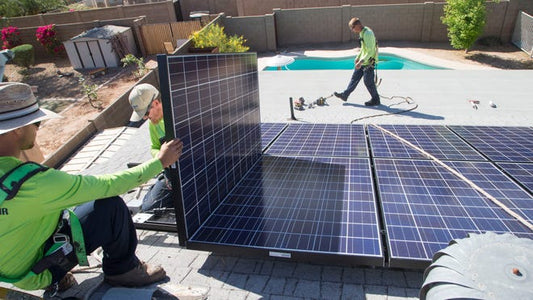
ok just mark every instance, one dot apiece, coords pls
pixel 215 112
pixel 505 144
pixel 425 206
pixel 522 172
pixel 326 140
pixel 313 190
pixel 438 141
pixel 321 205
pixel 269 131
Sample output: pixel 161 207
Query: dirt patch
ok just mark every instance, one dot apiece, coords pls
pixel 59 89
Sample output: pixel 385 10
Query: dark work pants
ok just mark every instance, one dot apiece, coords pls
pixel 368 73
pixel 107 223
pixel 159 196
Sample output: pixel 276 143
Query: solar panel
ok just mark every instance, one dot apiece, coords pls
pixel 438 141
pixel 325 140
pixel 505 144
pixel 523 173
pixel 211 102
pixel 316 205
pixel 270 131
pixel 425 206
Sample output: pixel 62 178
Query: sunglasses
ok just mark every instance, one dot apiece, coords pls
pixel 149 107
pixel 38 124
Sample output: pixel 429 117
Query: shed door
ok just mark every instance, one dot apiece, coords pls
pixel 90 54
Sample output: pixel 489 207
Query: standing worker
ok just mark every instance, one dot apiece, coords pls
pixel 146 103
pixel 41 239
pixel 365 62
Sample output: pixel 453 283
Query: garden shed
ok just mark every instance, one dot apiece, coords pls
pixel 100 47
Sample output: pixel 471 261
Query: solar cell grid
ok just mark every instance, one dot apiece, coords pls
pixel 325 140
pixel 321 205
pixel 313 192
pixel 438 141
pixel 500 144
pixel 522 172
pixel 269 131
pixel 214 103
pixel 425 206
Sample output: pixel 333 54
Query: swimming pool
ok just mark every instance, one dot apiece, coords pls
pixel 386 62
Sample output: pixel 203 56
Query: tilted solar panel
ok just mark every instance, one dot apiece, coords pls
pixel 438 141
pixel 327 140
pixel 211 102
pixel 304 204
pixel 505 144
pixel 425 206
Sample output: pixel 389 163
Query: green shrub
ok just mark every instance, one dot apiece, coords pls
pixel 24 55
pixel 465 21
pixel 214 36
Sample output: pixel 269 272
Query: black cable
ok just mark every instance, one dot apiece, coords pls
pixel 406 99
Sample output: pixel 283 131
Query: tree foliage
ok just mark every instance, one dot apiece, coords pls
pixel 465 20
pixel 18 8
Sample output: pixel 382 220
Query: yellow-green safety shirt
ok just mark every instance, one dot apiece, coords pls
pixel 31 217
pixel 369 47
pixel 157 131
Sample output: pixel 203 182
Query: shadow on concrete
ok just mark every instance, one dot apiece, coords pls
pixel 383 110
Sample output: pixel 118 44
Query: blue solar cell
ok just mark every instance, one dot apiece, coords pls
pixel 523 173
pixel 324 140
pixel 438 141
pixel 323 205
pixel 422 215
pixel 505 144
pixel 269 131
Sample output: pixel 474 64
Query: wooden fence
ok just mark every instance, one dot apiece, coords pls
pixel 154 35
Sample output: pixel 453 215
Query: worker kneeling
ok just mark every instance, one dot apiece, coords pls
pixel 41 239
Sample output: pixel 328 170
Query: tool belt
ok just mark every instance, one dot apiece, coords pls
pixel 59 246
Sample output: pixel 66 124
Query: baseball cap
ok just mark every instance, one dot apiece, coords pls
pixel 19 107
pixel 140 98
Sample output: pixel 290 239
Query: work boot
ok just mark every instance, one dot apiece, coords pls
pixel 143 274
pixel 340 96
pixel 64 284
pixel 372 102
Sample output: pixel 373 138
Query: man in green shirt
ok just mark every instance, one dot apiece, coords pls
pixel 29 217
pixel 146 103
pixel 365 62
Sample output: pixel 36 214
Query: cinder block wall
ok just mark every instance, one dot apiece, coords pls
pixel 160 12
pixel 258 31
pixel 416 22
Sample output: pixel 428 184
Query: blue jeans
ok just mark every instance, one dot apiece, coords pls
pixel 159 195
pixel 105 223
pixel 368 73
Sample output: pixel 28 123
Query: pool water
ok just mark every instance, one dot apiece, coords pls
pixel 386 62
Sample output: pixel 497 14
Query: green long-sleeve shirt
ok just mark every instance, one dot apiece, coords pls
pixel 369 47
pixel 31 217
pixel 157 131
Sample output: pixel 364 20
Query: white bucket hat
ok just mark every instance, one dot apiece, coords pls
pixel 141 96
pixel 19 107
